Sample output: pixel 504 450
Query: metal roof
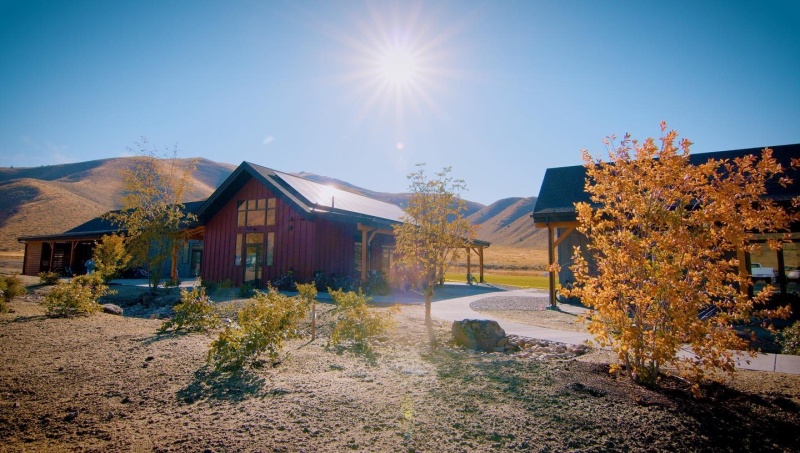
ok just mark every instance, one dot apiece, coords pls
pixel 324 197
pixel 562 187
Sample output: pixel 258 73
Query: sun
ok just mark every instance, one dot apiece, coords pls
pixel 398 66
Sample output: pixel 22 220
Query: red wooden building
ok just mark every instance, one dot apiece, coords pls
pixel 261 223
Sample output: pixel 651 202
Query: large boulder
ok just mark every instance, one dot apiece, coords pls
pixel 478 334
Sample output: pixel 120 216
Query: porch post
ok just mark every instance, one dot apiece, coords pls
pixel 480 258
pixel 551 259
pixel 52 256
pixel 469 264
pixel 364 247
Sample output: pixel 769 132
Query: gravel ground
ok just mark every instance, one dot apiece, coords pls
pixel 109 383
pixel 529 310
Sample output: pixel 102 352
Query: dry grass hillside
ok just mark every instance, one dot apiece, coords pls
pixel 55 198
pixel 507 222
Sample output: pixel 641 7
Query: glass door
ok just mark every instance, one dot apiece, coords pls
pixel 253 253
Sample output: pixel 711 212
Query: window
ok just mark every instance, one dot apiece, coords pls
pixel 270 249
pixel 238 259
pixel 258 212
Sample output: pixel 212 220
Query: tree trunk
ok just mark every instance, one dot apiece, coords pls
pixel 429 320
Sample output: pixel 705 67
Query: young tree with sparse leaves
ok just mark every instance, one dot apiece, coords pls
pixel 152 211
pixel 433 231
pixel 667 238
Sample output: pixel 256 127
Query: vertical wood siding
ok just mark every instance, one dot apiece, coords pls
pixel 33 258
pixel 302 245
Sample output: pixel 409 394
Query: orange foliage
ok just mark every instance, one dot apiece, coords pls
pixel 664 238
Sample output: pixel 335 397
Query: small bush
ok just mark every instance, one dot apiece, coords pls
pixel 790 339
pixel 247 291
pixel 263 325
pixel 195 312
pixel 358 322
pixel 12 286
pixel 172 283
pixel 211 287
pixel 226 284
pixel 48 278
pixel 78 297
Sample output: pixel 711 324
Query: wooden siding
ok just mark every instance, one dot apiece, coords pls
pixel 565 251
pixel 303 245
pixel 33 258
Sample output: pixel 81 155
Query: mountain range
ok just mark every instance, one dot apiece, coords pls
pixel 52 199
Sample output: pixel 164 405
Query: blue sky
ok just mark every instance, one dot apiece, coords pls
pixel 499 90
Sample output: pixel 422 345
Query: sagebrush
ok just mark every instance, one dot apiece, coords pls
pixel 48 278
pixel 10 287
pixel 195 312
pixel 77 297
pixel 357 321
pixel 263 325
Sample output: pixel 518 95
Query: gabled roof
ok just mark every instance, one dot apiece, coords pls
pixel 98 227
pixel 564 186
pixel 307 196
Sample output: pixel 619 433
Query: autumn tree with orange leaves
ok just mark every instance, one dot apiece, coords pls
pixel 666 238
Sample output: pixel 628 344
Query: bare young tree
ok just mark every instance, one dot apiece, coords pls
pixel 433 231
pixel 152 211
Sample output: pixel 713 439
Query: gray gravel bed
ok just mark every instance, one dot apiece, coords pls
pixel 511 303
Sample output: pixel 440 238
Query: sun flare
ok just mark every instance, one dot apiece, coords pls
pixel 398 66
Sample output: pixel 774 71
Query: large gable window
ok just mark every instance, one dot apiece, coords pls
pixel 258 212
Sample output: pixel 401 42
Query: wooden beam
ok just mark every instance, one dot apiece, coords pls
pixel 551 260
pixel 563 236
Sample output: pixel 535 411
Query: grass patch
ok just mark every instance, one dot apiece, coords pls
pixel 518 279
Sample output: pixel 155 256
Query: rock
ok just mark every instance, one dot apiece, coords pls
pixel 112 309
pixel 502 341
pixel 477 334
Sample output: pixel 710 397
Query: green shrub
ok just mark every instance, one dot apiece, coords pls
pixel 78 297
pixel 48 278
pixel 357 321
pixel 211 287
pixel 172 283
pixel 226 284
pixel 264 323
pixel 195 312
pixel 12 286
pixel 790 339
pixel 247 291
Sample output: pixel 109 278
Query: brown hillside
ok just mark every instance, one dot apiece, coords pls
pixel 55 198
pixel 44 208
pixel 507 222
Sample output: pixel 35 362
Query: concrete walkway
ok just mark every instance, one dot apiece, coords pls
pixel 451 303
pixel 457 309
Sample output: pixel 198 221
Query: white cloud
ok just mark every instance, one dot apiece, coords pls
pixel 268 139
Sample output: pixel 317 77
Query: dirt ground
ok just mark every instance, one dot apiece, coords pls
pixel 109 383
